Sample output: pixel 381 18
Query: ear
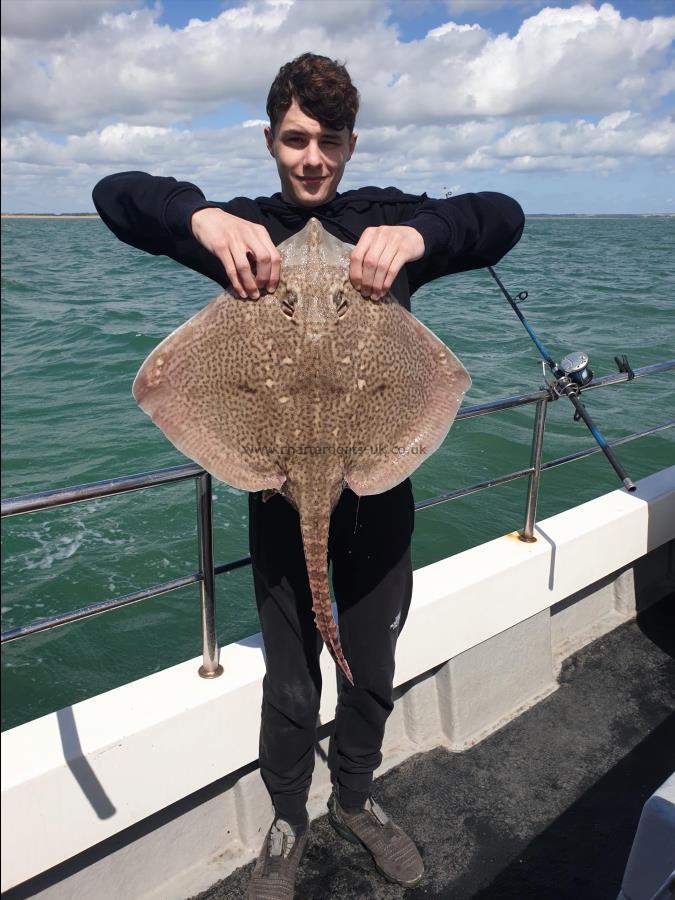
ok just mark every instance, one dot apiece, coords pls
pixel 269 140
pixel 352 144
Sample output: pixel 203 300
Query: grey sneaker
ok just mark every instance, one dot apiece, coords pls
pixel 274 874
pixel 395 855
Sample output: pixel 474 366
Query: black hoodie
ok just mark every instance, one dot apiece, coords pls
pixel 460 233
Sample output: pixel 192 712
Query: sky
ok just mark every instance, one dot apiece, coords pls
pixel 567 106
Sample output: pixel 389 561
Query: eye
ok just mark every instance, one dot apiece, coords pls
pixel 341 304
pixel 288 303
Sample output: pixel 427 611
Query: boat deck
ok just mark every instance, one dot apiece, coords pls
pixel 544 808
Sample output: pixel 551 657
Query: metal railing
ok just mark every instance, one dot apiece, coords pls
pixel 207 571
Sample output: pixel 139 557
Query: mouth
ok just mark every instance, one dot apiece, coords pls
pixel 312 180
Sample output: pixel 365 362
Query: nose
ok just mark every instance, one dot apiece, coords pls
pixel 312 154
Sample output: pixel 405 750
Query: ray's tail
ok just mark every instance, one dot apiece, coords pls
pixel 314 529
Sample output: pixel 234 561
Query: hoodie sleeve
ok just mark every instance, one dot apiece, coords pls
pixel 153 214
pixel 469 231
pixel 147 211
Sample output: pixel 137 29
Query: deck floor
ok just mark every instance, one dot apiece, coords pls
pixel 545 808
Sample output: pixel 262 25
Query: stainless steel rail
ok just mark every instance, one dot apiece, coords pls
pixel 207 571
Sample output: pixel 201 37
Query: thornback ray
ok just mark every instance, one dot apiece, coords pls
pixel 305 391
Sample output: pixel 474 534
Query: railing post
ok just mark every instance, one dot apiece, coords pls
pixel 527 534
pixel 210 667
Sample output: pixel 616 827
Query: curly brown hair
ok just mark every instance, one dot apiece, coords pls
pixel 322 88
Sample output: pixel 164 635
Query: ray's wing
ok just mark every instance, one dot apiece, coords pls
pixel 202 387
pixel 410 386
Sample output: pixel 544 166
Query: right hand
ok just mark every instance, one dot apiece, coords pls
pixel 250 259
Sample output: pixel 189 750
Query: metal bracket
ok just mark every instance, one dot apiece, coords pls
pixel 624 366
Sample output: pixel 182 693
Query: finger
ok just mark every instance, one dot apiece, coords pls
pixel 268 260
pixel 231 270
pixel 356 258
pixel 395 267
pixel 262 263
pixel 275 270
pixel 245 273
pixel 370 263
pixel 385 261
pixel 355 270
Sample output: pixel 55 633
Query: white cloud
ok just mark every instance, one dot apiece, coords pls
pixel 223 161
pixel 230 161
pixel 449 27
pixel 128 66
pixel 561 163
pixel 459 7
pixel 575 89
pixel 48 19
pixel 233 161
pixel 620 134
pixel 578 145
pixel 578 60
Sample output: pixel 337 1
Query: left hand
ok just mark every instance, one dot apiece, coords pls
pixel 379 256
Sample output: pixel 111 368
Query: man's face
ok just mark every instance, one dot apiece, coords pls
pixel 310 158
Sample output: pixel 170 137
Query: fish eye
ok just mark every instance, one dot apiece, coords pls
pixel 288 303
pixel 340 303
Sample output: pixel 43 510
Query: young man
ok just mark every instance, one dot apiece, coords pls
pixel 402 241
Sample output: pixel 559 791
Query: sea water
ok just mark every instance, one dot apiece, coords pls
pixel 81 311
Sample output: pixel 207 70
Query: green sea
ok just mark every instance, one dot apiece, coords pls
pixel 80 313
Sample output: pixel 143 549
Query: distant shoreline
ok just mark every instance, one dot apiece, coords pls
pixel 600 215
pixel 50 216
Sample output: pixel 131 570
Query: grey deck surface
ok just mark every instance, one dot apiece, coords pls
pixel 545 808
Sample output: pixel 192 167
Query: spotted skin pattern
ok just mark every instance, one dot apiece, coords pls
pixel 305 391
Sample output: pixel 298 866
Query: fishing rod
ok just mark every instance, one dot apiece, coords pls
pixel 571 375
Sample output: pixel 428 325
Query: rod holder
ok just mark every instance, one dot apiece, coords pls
pixel 210 667
pixel 527 534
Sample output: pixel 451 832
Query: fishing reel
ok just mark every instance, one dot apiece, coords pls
pixel 571 374
pixel 575 367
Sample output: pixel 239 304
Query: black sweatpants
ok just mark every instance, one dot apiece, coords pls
pixel 369 552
